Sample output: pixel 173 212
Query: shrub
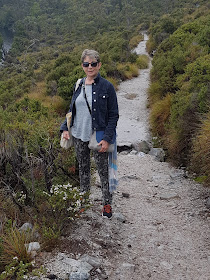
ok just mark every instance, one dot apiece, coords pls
pixel 200 162
pixel 155 92
pixel 65 202
pixel 159 117
pixel 127 70
pixel 150 45
pixel 143 61
pixel 58 105
pixel 134 41
pixel 114 82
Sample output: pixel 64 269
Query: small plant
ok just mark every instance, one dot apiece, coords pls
pixel 13 246
pixel 65 202
pixel 17 269
pixel 50 236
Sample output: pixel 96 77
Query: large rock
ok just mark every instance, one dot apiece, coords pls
pixel 26 227
pixel 79 276
pixel 82 267
pixel 158 153
pixel 142 146
pixel 124 147
pixel 93 261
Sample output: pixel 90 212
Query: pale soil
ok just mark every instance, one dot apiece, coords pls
pixel 162 238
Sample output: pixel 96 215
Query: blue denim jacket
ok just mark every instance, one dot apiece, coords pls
pixel 105 112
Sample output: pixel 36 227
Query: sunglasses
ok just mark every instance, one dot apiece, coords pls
pixel 86 64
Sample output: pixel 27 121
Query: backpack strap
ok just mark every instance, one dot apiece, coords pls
pixel 88 105
pixel 77 84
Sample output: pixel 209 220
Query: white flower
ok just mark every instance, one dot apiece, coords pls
pixel 78 203
pixel 15 258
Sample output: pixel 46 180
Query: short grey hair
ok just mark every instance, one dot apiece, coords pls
pixel 91 53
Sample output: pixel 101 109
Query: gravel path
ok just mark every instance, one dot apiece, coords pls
pixel 160 227
pixel 132 98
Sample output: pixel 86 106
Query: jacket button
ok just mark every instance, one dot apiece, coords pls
pixel 94 100
pixel 94 92
pixel 94 109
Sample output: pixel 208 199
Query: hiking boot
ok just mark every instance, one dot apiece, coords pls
pixel 107 211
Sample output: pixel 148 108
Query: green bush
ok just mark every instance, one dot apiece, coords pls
pixel 181 68
pixel 127 70
pixel 142 61
pixel 200 160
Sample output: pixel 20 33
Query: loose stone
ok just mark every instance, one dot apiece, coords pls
pixel 168 196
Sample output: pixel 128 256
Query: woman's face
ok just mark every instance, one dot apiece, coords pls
pixel 91 71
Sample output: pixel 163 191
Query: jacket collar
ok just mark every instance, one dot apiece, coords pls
pixel 97 78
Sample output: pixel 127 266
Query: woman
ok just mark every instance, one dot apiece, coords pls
pixel 94 107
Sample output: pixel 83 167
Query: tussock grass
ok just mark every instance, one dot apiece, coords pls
pixel 155 92
pixel 13 245
pixel 134 41
pixel 127 70
pixel 159 116
pixel 143 61
pixel 56 103
pixel 151 45
pixel 200 162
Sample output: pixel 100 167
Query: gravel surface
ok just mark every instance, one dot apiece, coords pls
pixel 160 226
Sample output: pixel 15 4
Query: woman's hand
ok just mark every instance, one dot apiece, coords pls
pixel 66 135
pixel 104 146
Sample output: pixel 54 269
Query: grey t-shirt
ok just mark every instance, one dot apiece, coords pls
pixel 82 126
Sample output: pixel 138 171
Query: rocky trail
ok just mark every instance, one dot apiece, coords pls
pixel 160 226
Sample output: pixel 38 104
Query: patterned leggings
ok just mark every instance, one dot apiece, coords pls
pixel 101 159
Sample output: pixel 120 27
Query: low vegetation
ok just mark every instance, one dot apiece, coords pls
pixel 180 92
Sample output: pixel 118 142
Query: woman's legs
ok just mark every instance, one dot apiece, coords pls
pixel 83 158
pixel 101 160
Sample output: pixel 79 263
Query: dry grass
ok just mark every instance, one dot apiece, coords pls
pixel 155 92
pixel 134 41
pixel 128 70
pixel 143 61
pixel 56 103
pixel 201 151
pixel 160 113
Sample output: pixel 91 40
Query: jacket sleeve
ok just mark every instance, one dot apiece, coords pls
pixel 113 115
pixel 63 126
